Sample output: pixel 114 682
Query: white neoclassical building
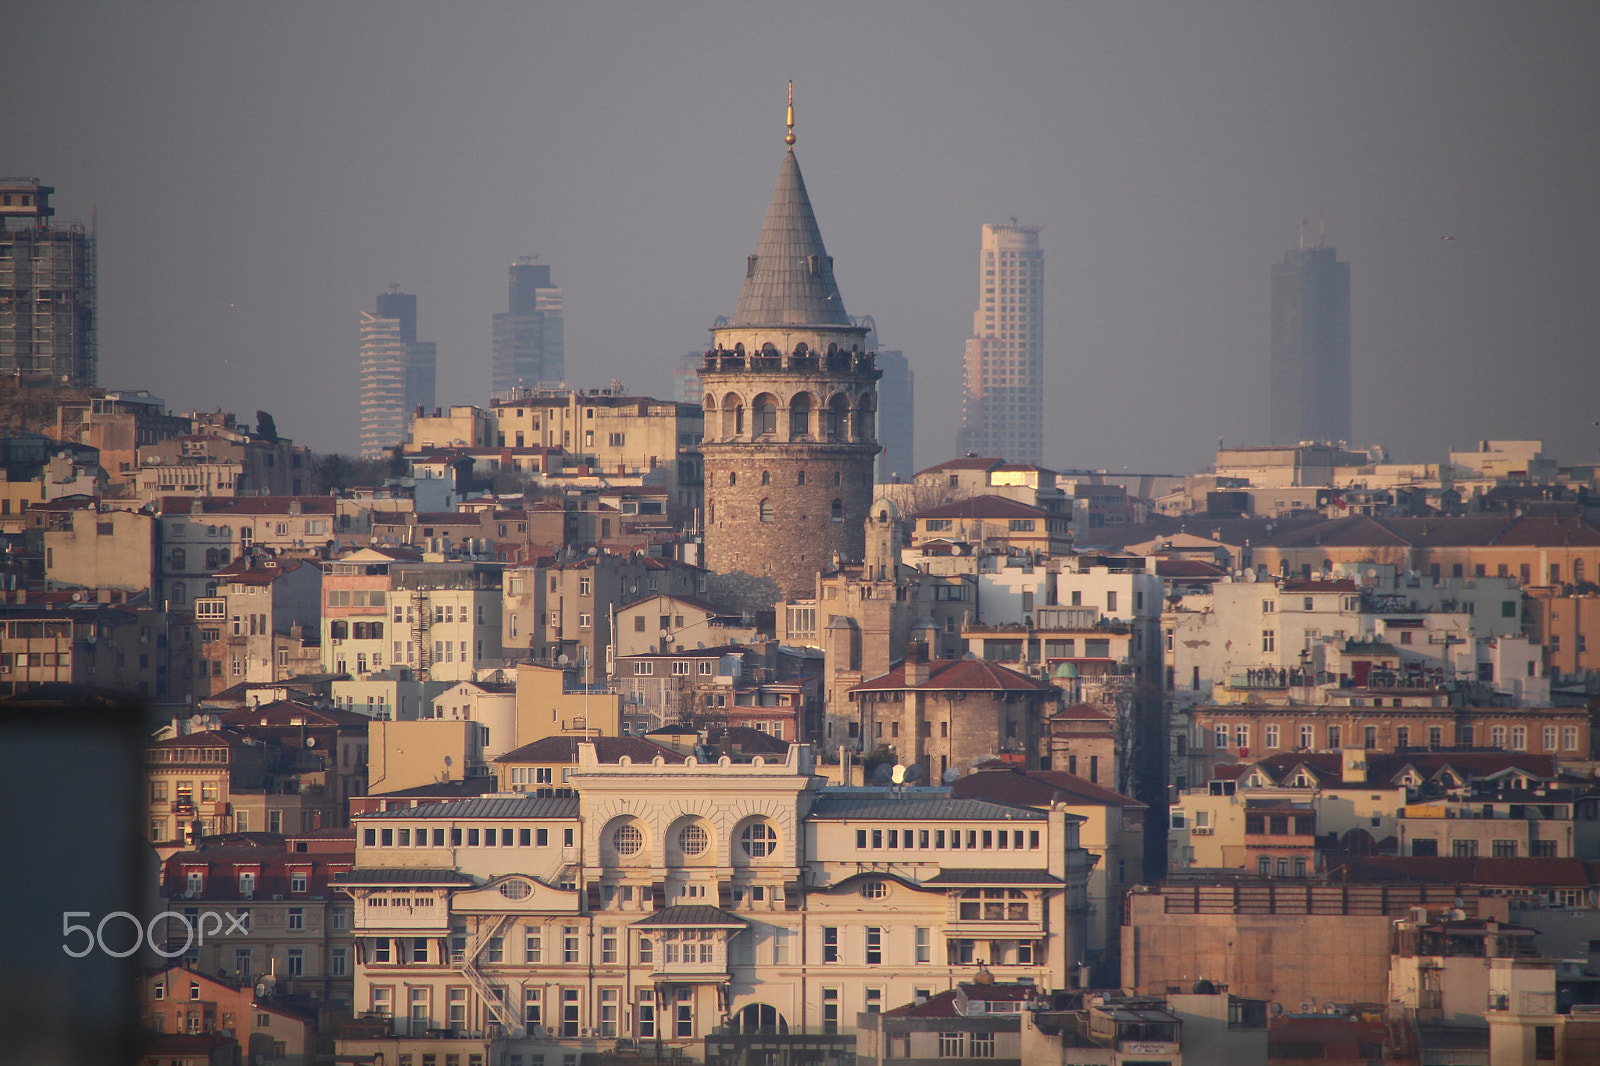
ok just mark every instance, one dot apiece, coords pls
pixel 672 902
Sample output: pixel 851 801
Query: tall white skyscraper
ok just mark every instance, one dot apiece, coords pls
pixel 398 372
pixel 1002 413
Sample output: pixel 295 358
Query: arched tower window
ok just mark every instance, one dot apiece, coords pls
pixel 865 423
pixel 733 477
pixel 838 511
pixel 800 478
pixel 766 510
pixel 732 416
pixel 838 420
pixel 766 415
pixel 766 477
pixel 799 416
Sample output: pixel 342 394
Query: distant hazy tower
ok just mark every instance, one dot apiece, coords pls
pixel 897 409
pixel 790 408
pixel 529 340
pixel 1002 413
pixel 1310 347
pixel 47 289
pixel 398 372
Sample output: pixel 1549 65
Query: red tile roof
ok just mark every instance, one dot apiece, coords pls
pixel 283 713
pixel 564 749
pixel 971 462
pixel 957 675
pixel 1522 872
pixel 1192 568
pixel 1082 712
pixel 1551 533
pixel 1036 788
pixel 984 507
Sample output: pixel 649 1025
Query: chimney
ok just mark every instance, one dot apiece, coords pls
pixel 917 671
pixel 1353 766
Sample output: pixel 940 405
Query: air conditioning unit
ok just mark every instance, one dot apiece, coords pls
pixel 1201 831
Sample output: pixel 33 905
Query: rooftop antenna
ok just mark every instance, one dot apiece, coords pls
pixel 1322 226
pixel 789 137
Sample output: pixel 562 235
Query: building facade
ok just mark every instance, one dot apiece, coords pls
pixel 1310 372
pixel 47 289
pixel 667 901
pixel 397 372
pixel 897 411
pixel 529 338
pixel 790 410
pixel 1002 411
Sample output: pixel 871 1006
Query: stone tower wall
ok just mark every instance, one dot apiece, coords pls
pixel 822 424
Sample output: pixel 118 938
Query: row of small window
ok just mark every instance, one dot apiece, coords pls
pixel 357 597
pixel 945 525
pixel 183 791
pixel 940 839
pixel 1295 867
pixel 244 966
pixel 341 629
pixel 959 951
pixel 680 667
pixel 1524 571
pixel 1499 849
pixel 567 1025
pixel 1513 738
pixel 1280 825
pixel 23 659
pixel 215 557
pixel 459 836
pixel 1010 651
pixel 1308 603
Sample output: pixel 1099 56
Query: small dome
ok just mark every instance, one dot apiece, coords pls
pixel 1066 671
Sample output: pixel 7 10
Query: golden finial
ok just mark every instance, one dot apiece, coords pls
pixel 789 139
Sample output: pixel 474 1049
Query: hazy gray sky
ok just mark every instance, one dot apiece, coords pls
pixel 262 170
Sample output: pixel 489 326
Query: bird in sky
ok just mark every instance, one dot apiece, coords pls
pixel 1447 238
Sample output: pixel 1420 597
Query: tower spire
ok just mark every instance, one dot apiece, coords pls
pixel 789 137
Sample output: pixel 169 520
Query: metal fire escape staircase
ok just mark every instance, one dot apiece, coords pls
pixel 489 927
pixel 422 634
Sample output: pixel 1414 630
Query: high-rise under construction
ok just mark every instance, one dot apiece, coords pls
pixel 47 289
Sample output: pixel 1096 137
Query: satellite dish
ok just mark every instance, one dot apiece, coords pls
pixel 447 760
pixel 913 773
pixel 950 776
pixel 881 774
pixel 311 742
pixel 77 597
pixel 898 774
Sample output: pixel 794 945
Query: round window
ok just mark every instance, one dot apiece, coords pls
pixel 759 840
pixel 692 840
pixel 874 890
pixel 516 888
pixel 627 840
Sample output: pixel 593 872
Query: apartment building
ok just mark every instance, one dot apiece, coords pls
pixel 666 898
pixel 254 628
pixel 384 607
pixel 278 915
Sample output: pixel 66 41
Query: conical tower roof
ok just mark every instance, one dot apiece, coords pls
pixel 789 280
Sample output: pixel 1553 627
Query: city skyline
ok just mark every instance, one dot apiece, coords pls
pixel 1311 387
pixel 1169 153
pixel 1002 407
